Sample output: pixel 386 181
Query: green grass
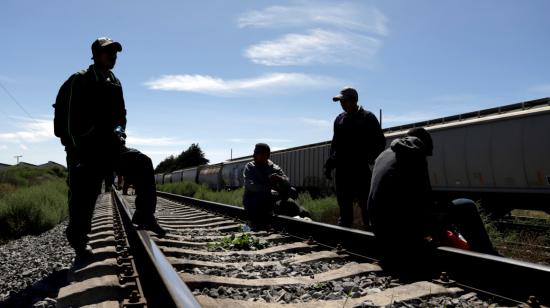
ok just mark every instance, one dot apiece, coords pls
pixel 32 200
pixel 182 188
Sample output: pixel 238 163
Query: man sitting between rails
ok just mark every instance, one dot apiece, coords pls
pixel 267 190
pixel 402 211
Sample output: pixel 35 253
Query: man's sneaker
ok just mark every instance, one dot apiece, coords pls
pixel 149 224
pixel 83 252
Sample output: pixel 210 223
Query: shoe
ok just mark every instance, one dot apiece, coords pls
pixel 149 224
pixel 83 253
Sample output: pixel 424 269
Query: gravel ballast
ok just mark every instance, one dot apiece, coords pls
pixel 34 267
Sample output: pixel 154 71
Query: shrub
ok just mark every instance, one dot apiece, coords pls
pixel 233 197
pixel 181 188
pixel 324 209
pixel 34 209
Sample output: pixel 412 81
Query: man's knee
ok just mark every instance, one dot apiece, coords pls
pixel 463 204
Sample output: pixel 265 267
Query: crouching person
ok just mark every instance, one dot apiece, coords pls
pixel 266 190
pixel 406 221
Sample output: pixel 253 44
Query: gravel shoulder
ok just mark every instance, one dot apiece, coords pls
pixel 33 268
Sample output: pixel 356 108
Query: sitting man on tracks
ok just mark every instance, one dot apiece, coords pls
pixel 402 212
pixel 267 190
pixel 90 119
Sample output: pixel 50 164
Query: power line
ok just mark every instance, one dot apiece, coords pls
pixel 17 102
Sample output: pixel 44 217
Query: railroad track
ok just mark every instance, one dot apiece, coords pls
pixel 307 264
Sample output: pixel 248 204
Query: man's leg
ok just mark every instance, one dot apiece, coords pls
pixel 464 214
pixel 344 196
pixel 362 191
pixel 84 187
pixel 137 168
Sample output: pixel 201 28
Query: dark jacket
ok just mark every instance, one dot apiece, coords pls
pixel 91 106
pixel 401 194
pixel 357 141
pixel 257 186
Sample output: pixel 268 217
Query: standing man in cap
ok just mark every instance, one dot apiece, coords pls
pixel 90 120
pixel 357 141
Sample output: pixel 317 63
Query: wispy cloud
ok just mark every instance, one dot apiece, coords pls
pixel 217 86
pixel 29 131
pixel 313 13
pixel 315 122
pixel 315 47
pixel 541 89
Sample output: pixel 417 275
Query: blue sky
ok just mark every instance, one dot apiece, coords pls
pixel 229 74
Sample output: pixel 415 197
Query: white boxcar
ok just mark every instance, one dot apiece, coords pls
pixel 232 173
pixel 211 176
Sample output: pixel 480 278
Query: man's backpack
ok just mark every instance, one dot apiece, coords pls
pixel 62 108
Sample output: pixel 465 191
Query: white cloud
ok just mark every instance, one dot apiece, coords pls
pixel 316 122
pixel 315 47
pixel 541 89
pixel 30 131
pixel 341 15
pixel 217 86
pixel 3 147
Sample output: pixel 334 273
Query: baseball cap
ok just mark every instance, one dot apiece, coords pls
pixel 346 92
pixel 104 42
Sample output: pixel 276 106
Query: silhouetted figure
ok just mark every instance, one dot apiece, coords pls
pixel 357 141
pixel 90 119
pixel 405 218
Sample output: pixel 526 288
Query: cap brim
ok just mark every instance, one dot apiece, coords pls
pixel 115 45
pixel 337 98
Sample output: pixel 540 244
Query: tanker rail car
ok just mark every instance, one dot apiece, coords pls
pixel 499 155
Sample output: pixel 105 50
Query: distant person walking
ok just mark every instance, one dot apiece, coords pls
pixel 357 141
pixel 90 119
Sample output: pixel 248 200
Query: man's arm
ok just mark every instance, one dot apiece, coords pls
pixel 279 176
pixel 377 140
pixel 331 161
pixel 120 111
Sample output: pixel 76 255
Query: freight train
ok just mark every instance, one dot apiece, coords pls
pixel 500 156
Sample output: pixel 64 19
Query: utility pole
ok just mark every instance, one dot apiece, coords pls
pixel 17 157
pixel 231 154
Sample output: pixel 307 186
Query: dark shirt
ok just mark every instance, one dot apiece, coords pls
pixel 357 140
pixel 257 185
pixel 95 107
pixel 401 195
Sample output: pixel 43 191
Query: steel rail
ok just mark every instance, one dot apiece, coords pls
pixel 163 286
pixel 508 278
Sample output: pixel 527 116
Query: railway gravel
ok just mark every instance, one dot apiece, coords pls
pixel 33 268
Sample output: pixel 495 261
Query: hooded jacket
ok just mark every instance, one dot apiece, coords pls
pixel 400 193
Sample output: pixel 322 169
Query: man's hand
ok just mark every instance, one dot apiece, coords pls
pixel 275 178
pixel 119 132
